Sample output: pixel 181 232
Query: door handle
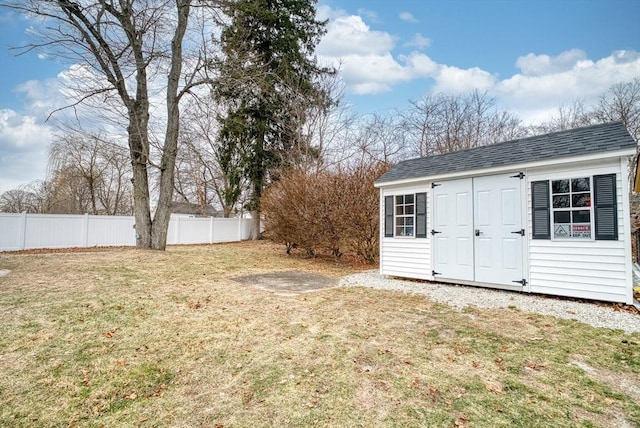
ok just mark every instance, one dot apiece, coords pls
pixel 477 232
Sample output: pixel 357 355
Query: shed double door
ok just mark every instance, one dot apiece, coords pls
pixel 477 229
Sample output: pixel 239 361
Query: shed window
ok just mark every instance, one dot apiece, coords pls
pixel 571 207
pixel 575 208
pixel 406 215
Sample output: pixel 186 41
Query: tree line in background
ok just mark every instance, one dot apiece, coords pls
pixel 252 122
pixel 320 195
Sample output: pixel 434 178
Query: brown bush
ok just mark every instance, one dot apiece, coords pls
pixel 333 211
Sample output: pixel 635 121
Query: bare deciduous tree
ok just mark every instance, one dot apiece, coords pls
pixel 129 44
pixel 445 123
pixel 17 201
pixel 209 169
pixel 621 102
pixel 99 167
pixel 567 116
pixel 378 138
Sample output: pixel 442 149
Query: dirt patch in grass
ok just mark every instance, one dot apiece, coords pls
pixel 629 385
pixel 170 339
pixel 288 283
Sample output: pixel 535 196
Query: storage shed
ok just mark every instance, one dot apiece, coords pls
pixel 547 214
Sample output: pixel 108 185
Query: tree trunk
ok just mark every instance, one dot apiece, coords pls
pixel 141 205
pixel 168 163
pixel 259 172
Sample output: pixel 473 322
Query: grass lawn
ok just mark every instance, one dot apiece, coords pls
pixel 123 337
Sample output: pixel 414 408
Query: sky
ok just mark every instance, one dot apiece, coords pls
pixel 531 56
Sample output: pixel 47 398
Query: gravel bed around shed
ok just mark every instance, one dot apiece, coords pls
pixel 461 296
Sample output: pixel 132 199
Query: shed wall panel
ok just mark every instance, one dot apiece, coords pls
pixel 403 256
pixel 580 268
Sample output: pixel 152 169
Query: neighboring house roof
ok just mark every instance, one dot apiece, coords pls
pixel 593 139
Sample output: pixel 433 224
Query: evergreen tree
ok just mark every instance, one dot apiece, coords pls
pixel 267 81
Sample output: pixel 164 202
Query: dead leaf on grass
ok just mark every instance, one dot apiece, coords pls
pixel 158 392
pixel 459 391
pixel 494 387
pixel 461 421
pixel 533 366
pixel 433 392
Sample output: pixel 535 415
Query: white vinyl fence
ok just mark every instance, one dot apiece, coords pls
pixel 26 231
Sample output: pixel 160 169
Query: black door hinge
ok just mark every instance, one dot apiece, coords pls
pixel 434 185
pixel 522 282
pixel 519 175
pixel 433 232
pixel 434 273
pixel 519 232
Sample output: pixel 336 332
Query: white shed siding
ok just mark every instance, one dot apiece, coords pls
pixel 580 268
pixel 406 257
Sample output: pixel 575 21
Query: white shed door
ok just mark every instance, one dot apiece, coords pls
pixel 453 229
pixel 498 241
pixel 475 229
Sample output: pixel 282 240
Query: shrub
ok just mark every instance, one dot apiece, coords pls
pixel 334 211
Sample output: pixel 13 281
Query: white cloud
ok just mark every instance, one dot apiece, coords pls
pixel 23 149
pixel 540 89
pixel 349 35
pixel 370 65
pixel 41 96
pixel 371 15
pixel 420 65
pixel 454 80
pixel 419 41
pixel 365 57
pixel 537 65
pixel 407 16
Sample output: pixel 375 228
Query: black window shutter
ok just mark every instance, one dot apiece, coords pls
pixel 421 215
pixel 540 217
pixel 605 207
pixel 388 216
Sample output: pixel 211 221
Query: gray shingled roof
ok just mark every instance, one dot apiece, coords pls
pixel 575 142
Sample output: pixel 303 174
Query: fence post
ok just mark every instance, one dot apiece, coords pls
pixel 239 228
pixel 23 230
pixel 211 225
pixel 85 230
pixel 177 218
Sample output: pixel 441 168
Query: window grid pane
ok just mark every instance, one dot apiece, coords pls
pixel 405 210
pixel 571 205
